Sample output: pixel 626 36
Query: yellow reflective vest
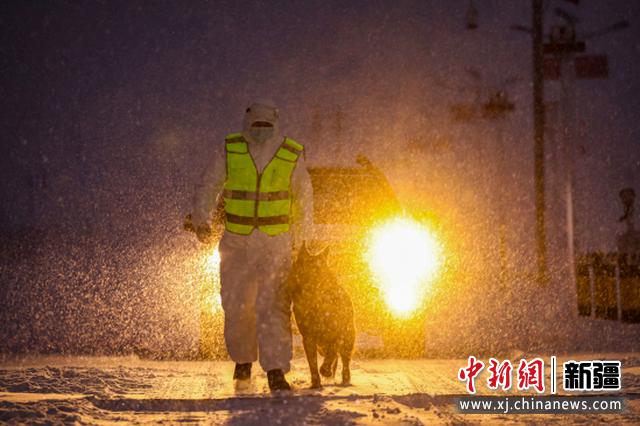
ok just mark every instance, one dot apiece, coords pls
pixel 258 200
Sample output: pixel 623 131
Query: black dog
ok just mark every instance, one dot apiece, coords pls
pixel 324 315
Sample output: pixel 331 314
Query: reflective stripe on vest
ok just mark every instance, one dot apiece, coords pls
pixel 262 196
pixel 254 200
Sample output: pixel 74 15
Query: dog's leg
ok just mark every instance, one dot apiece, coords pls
pixel 328 368
pixel 345 356
pixel 310 349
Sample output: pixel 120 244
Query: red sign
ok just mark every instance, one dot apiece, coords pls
pixel 587 67
pixel 592 66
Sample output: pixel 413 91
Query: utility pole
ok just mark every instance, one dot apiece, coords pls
pixel 563 63
pixel 560 62
pixel 560 50
pixel 538 138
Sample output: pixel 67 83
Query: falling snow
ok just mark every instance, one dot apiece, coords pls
pixel 110 310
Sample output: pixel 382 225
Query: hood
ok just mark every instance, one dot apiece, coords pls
pixel 260 111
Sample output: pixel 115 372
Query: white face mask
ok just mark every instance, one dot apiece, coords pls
pixel 261 134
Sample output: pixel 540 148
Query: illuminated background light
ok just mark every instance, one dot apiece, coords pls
pixel 404 257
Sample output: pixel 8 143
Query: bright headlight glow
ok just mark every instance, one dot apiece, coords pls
pixel 212 264
pixel 404 257
pixel 212 289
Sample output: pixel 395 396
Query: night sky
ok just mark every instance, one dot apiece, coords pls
pixel 110 110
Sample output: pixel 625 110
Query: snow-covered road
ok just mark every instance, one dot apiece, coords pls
pixel 97 390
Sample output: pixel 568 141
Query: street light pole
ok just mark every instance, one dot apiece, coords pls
pixel 538 138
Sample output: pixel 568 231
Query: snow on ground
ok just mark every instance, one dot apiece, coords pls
pixel 101 390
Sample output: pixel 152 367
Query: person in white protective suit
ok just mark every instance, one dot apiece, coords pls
pixel 261 180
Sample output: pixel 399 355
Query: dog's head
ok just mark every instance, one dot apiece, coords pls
pixel 309 271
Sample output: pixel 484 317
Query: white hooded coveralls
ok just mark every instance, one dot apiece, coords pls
pixel 254 268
